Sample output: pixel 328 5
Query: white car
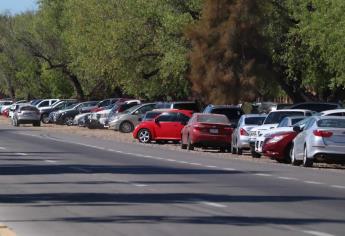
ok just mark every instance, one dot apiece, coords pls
pixel 335 112
pixel 271 122
pixel 46 103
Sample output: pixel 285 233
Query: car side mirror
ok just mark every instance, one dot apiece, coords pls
pixel 140 119
pixel 297 129
pixel 156 121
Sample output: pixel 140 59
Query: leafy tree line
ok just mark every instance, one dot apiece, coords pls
pixel 219 51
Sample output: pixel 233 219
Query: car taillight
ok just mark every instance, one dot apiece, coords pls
pixel 322 133
pixel 243 132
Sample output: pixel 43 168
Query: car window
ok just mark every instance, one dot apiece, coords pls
pixel 336 114
pixel 145 109
pixel 254 120
pixel 151 115
pixel 44 104
pixel 28 109
pixel 331 123
pixel 168 117
pixel 276 117
pixel 283 123
pixel 213 119
pixel 182 118
pixel 309 124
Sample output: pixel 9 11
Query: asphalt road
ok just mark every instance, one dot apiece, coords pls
pixel 59 184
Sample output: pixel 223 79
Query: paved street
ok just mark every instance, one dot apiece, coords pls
pixel 59 184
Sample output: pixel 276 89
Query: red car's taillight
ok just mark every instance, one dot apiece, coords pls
pixel 243 132
pixel 322 133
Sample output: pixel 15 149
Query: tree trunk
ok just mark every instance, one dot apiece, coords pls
pixel 75 82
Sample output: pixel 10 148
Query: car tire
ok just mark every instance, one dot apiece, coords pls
pixel 294 162
pixel 287 155
pixel 144 136
pixel 239 151
pixel 233 150
pixel 307 162
pixel 45 118
pixel 255 154
pixel 183 146
pixel 126 127
pixel 190 146
pixel 68 121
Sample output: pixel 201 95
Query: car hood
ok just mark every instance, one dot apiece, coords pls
pixel 277 130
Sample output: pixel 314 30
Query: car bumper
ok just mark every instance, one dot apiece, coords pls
pixel 115 125
pixel 212 140
pixel 243 142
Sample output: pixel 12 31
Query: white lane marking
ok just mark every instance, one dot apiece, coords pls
pixel 148 156
pixel 312 182
pixel 195 164
pixel 21 154
pixel 260 174
pixel 2 148
pixel 213 204
pixel 182 162
pixel 211 166
pixel 140 185
pixel 171 160
pixel 338 186
pixel 316 233
pixel 229 169
pixel 287 178
pixel 50 161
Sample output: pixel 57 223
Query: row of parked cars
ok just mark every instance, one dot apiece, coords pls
pixel 301 134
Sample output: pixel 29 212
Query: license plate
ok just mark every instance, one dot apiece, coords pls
pixel 214 131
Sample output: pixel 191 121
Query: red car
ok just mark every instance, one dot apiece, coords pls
pixel 278 146
pixel 6 112
pixel 166 126
pixel 207 130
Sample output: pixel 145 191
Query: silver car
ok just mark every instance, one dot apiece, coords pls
pixel 125 122
pixel 321 140
pixel 240 136
pixel 26 114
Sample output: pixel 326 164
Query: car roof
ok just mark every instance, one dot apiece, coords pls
pixel 254 115
pixel 332 111
pixel 224 106
pixel 297 110
pixel 208 114
pixel 329 117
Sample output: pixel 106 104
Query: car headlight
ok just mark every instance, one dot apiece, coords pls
pixel 276 139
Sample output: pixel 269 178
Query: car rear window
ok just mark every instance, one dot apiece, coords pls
pixel 254 120
pixel 331 123
pixel 212 119
pixel 28 109
pixel 276 117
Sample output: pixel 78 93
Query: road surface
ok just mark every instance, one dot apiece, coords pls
pixel 61 184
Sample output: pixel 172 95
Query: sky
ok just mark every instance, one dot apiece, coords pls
pixel 17 6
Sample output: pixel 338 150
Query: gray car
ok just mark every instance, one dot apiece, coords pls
pixel 321 140
pixel 240 136
pixel 126 121
pixel 26 114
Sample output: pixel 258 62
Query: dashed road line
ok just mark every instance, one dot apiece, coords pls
pixel 313 182
pixel 265 175
pixel 195 164
pixel 140 185
pixel 316 233
pixel 2 148
pixel 213 204
pixel 338 186
pixel 211 166
pixel 183 162
pixel 50 161
pixel 229 169
pixel 21 154
pixel 171 160
pixel 287 178
pixel 81 169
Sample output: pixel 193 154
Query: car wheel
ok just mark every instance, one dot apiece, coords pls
pixel 255 154
pixel 190 146
pixel 294 162
pixel 307 162
pixel 287 154
pixel 144 136
pixel 68 121
pixel 126 127
pixel 45 118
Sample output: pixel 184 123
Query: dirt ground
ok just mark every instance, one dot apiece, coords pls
pixel 128 138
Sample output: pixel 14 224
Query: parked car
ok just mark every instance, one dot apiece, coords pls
pixel 7 106
pixel 5 103
pixel 166 126
pixel 102 105
pixel 12 109
pixel 316 106
pixel 45 111
pixel 26 114
pixel 81 119
pixel 321 140
pixel 233 113
pixel 67 115
pixel 278 143
pixel 34 102
pixel 207 130
pixel 127 120
pixel 180 105
pixel 240 136
pixel 151 115
pixel 272 121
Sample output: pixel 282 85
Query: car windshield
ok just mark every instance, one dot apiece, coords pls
pixel 331 123
pixel 276 117
pixel 151 115
pixel 232 114
pixel 213 119
pixel 28 109
pixel 254 120
pixel 130 110
pixel 72 106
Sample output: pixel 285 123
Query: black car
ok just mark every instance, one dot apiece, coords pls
pixel 180 105
pixel 316 106
pixel 233 113
pixel 58 106
pixel 67 115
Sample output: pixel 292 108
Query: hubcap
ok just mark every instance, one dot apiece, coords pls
pixel 126 127
pixel 144 136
